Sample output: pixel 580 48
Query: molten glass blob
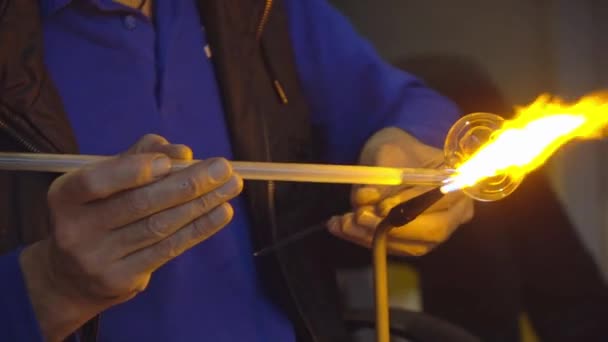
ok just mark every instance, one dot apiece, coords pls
pixel 465 138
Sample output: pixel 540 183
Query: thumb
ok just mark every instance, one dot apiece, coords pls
pixel 386 155
pixel 152 143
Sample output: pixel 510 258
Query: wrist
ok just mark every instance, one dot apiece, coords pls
pixel 58 313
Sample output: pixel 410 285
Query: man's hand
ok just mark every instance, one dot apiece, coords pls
pixel 393 147
pixel 116 222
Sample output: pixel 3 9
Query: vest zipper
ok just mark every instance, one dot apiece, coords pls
pixel 264 20
pixel 276 84
pixel 280 91
pixel 28 145
pixel 273 223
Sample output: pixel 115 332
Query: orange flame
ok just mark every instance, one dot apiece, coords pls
pixel 527 141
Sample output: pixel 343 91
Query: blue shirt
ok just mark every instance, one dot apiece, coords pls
pixel 122 76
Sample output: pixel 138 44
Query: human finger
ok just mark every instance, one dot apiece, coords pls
pixel 390 202
pixel 177 188
pixel 434 227
pixel 157 227
pixel 154 256
pixel 175 151
pixel 431 228
pixel 147 143
pixel 366 216
pixel 345 228
pixel 105 178
pixel 153 143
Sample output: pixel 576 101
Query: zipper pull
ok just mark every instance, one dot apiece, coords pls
pixel 272 74
pixel 280 91
pixel 278 87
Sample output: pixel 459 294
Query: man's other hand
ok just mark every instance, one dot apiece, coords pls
pixel 392 147
pixel 117 221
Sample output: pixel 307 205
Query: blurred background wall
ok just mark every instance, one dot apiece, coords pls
pixel 528 47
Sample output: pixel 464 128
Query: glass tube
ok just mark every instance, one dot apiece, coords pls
pixel 290 172
pixel 465 137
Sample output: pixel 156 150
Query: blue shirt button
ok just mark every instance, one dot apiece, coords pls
pixel 130 22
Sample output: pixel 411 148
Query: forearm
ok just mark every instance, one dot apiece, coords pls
pixel 57 314
pixel 17 319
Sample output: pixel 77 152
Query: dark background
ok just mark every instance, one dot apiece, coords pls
pixel 528 47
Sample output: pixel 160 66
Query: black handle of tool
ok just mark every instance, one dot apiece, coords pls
pixel 400 215
pixel 407 211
